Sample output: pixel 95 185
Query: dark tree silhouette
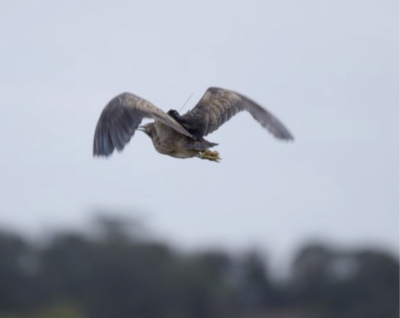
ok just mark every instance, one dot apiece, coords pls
pixel 117 271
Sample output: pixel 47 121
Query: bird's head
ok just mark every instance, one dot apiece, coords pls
pixel 147 129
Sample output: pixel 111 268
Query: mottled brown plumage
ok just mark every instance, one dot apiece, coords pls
pixel 172 134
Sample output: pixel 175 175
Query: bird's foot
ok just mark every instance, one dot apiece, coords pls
pixel 210 155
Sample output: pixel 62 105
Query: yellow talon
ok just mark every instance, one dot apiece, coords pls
pixel 210 155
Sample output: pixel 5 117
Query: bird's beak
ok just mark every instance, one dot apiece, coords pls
pixel 142 128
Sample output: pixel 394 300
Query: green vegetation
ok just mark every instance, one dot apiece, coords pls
pixel 116 273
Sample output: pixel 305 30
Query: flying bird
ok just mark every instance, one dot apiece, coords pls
pixel 172 134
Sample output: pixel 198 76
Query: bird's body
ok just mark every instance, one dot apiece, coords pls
pixel 168 142
pixel 172 134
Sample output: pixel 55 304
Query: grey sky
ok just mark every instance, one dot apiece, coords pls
pixel 327 69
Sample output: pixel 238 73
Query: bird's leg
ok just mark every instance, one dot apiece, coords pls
pixel 209 155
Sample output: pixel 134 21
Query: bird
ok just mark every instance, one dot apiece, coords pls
pixel 175 135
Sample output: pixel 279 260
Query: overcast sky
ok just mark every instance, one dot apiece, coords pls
pixel 328 69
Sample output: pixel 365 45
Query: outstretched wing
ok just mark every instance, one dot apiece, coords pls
pixel 121 117
pixel 218 105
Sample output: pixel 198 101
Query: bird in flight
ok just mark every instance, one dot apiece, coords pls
pixel 172 134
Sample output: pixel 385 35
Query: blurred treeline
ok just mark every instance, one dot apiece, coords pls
pixel 116 271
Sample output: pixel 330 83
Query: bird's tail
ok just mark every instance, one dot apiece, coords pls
pixel 201 145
